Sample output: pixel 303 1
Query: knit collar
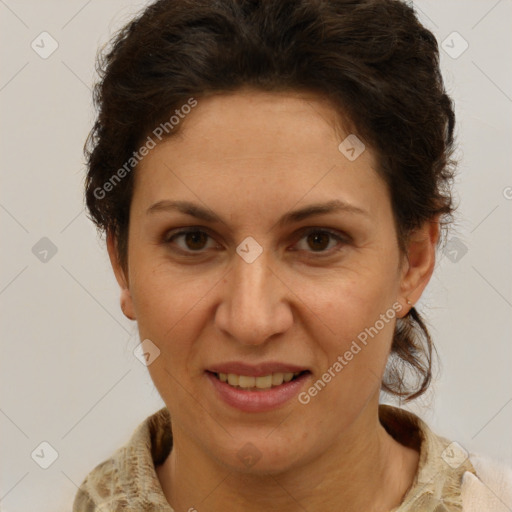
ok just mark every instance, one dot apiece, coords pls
pixel 442 463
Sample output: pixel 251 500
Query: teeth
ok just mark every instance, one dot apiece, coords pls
pixel 277 379
pixel 265 382
pixel 246 382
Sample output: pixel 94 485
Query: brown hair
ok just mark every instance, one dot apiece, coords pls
pixel 371 58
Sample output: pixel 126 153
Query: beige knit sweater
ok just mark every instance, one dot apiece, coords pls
pixel 446 480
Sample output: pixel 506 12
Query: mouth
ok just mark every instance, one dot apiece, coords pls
pixel 270 389
pixel 261 383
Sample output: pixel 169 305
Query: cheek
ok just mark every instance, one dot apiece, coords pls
pixel 171 313
pixel 164 294
pixel 362 339
pixel 354 358
pixel 356 319
pixel 170 309
pixel 348 301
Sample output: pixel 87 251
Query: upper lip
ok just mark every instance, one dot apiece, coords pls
pixel 255 370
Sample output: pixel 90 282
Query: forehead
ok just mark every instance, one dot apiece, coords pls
pixel 255 123
pixel 272 146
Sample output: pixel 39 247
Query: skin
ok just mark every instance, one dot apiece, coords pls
pixel 252 157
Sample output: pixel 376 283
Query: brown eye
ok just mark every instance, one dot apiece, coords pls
pixel 193 240
pixel 322 241
pixel 318 240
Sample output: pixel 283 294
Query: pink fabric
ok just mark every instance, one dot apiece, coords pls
pixel 490 490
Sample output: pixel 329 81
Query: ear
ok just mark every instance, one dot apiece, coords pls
pixel 419 263
pixel 126 298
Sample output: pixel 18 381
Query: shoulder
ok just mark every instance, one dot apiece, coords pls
pixel 490 489
pixel 448 477
pixel 102 485
pixel 128 477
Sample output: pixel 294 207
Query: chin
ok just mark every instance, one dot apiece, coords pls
pixel 259 458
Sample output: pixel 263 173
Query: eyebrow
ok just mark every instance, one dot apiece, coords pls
pixel 195 210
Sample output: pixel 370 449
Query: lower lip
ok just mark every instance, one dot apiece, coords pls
pixel 258 401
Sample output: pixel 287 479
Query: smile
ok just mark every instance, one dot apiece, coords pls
pixel 260 393
pixel 257 383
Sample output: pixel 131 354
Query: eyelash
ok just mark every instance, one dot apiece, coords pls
pixel 171 236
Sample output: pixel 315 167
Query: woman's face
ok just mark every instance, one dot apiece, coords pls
pixel 259 289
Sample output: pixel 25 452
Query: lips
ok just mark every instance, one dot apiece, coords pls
pixel 252 399
pixel 258 387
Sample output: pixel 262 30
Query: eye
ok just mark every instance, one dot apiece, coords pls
pixel 319 239
pixel 194 240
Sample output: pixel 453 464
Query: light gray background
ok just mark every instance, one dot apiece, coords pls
pixel 68 375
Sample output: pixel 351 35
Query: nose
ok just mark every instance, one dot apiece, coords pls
pixel 255 302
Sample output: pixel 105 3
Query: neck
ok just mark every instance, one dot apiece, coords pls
pixel 366 469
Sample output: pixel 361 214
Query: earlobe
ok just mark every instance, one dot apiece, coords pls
pixel 420 262
pixel 126 298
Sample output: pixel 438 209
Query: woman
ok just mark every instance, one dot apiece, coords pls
pixel 273 178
